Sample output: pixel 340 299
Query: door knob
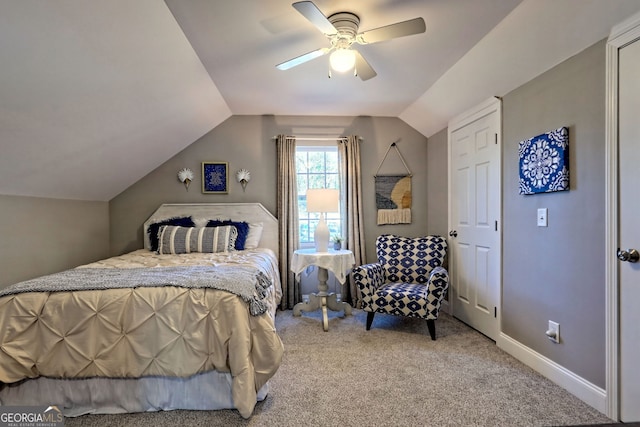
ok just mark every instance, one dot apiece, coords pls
pixel 630 255
pixel 453 233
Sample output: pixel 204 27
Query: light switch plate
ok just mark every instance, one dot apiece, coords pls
pixel 542 217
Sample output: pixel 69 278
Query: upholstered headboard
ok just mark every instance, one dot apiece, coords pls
pixel 248 212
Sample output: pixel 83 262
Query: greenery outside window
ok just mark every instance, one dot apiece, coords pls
pixel 316 167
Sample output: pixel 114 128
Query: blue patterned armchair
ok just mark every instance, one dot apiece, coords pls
pixel 408 280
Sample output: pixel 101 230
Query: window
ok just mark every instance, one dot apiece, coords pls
pixel 316 167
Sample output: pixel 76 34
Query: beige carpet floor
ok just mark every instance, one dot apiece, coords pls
pixel 392 375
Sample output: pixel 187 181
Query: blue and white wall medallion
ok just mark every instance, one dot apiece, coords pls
pixel 544 162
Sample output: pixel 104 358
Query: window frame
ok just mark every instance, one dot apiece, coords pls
pixel 333 219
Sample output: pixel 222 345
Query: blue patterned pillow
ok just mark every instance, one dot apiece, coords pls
pixel 243 230
pixel 184 240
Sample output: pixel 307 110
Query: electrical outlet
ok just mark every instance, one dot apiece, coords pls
pixel 542 217
pixel 553 331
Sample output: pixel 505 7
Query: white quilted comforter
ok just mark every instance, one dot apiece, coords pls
pixel 146 331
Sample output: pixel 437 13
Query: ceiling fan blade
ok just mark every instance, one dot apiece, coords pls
pixel 303 58
pixel 363 69
pixel 399 29
pixel 317 18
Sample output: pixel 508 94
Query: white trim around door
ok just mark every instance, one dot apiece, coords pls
pixel 475 229
pixel 621 35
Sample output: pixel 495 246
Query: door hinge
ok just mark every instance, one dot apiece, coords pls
pixel 495 311
pixel 496 138
pixel 496 225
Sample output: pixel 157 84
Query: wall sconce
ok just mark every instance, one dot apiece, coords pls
pixel 243 176
pixel 185 176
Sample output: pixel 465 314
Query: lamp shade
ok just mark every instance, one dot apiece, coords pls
pixel 323 200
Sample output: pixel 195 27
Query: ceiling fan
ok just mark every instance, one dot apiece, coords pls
pixel 341 29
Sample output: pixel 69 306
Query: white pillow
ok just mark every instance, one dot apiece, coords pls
pixel 200 222
pixel 253 237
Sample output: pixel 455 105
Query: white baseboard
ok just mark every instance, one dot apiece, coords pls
pixel 574 384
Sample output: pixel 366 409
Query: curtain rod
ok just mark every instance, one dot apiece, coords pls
pixel 315 138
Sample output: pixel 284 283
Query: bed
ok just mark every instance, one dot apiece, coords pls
pixel 176 325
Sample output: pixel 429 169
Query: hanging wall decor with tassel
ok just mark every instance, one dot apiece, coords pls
pixel 393 194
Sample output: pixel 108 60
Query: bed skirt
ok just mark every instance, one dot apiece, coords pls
pixel 206 391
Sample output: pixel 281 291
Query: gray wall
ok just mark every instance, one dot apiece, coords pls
pixel 437 181
pixel 557 273
pixel 43 236
pixel 246 142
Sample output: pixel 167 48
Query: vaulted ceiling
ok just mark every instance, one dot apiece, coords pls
pixel 94 95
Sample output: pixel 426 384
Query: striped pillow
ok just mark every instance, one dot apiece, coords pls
pixel 184 240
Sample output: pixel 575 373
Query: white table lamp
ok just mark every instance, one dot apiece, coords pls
pixel 322 201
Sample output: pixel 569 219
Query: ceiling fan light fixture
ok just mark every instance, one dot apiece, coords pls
pixel 341 28
pixel 342 60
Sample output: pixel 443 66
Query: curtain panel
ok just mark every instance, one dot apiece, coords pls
pixel 287 219
pixel 351 205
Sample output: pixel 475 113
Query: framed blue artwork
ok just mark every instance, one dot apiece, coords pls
pixel 544 162
pixel 215 177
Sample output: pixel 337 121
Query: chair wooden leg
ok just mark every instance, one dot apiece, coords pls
pixel 370 319
pixel 431 324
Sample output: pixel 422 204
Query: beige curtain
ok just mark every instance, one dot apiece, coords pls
pixel 352 214
pixel 287 219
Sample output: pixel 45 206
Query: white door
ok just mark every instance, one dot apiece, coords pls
pixel 474 222
pixel 629 230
